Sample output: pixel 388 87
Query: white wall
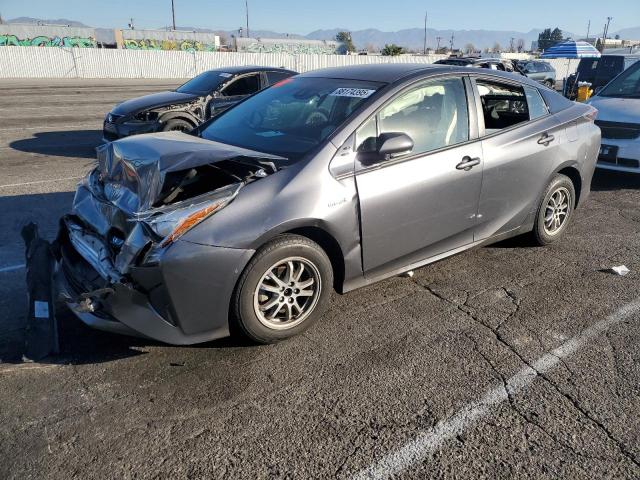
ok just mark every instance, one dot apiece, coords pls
pixel 30 62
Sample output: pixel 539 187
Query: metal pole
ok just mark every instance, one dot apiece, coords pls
pixel 424 49
pixel 606 31
pixel 588 29
pixel 173 14
pixel 246 6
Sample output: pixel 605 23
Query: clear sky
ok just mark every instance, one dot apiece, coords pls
pixel 300 16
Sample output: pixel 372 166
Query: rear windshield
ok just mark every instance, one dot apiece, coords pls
pixel 626 85
pixel 204 83
pixel 292 117
pixel 587 67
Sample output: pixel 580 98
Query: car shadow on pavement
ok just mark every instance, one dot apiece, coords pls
pixel 605 180
pixel 82 345
pixel 70 143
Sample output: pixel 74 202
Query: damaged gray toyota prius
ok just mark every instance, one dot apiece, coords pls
pixel 333 179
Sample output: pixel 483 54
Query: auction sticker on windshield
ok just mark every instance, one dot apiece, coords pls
pixel 352 92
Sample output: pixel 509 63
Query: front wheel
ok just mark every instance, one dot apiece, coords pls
pixel 177 125
pixel 283 290
pixel 555 210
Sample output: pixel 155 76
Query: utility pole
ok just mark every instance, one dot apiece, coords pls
pixel 424 49
pixel 173 14
pixel 606 29
pixel 588 29
pixel 451 41
pixel 438 44
pixel 246 7
pixel 511 45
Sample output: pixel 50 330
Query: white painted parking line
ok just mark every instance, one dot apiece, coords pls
pixel 39 181
pixel 11 268
pixel 418 449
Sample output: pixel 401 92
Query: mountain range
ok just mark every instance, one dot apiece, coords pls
pixel 412 38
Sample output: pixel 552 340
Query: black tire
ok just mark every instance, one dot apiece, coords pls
pixel 177 125
pixel 543 233
pixel 246 299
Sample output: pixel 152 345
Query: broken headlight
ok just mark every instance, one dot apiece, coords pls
pixel 173 221
pixel 146 116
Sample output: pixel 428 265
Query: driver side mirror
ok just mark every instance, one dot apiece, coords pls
pixel 393 144
pixel 384 147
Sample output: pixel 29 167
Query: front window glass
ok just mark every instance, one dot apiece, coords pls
pixel 627 85
pixel 204 83
pixel 292 117
pixel 243 86
pixel 434 115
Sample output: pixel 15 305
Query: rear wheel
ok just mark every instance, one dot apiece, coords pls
pixel 177 125
pixel 283 290
pixel 555 210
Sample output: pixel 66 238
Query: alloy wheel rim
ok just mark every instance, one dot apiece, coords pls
pixel 287 293
pixel 556 211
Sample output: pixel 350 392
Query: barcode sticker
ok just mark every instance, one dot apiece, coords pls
pixel 352 92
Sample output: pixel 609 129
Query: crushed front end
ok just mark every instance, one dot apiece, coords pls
pixel 122 264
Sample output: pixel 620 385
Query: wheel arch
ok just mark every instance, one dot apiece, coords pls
pixel 313 230
pixel 179 115
pixel 574 175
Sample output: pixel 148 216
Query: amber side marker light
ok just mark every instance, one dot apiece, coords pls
pixel 190 222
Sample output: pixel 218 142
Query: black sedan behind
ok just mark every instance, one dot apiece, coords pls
pixel 186 107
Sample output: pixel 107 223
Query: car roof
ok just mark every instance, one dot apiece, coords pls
pixel 393 72
pixel 376 72
pixel 238 70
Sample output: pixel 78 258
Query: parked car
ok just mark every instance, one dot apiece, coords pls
pixel 503 65
pixel 182 109
pixel 618 106
pixel 335 178
pixel 598 72
pixel 541 72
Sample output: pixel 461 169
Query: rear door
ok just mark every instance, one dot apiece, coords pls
pixel 424 203
pixel 520 143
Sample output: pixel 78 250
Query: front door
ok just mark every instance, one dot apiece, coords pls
pixel 424 203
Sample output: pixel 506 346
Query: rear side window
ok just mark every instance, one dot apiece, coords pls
pixel 275 77
pixel 243 86
pixel 535 103
pixel 503 105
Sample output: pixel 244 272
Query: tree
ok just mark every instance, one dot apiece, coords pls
pixel 548 38
pixel 469 48
pixel 392 50
pixel 345 38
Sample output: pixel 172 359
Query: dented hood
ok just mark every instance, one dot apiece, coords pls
pixel 154 100
pixel 132 170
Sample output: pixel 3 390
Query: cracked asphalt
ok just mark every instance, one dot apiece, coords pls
pixel 386 365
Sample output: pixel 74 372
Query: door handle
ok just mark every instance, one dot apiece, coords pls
pixel 546 139
pixel 468 163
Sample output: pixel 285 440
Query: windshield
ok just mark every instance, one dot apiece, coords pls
pixel 292 117
pixel 626 85
pixel 204 83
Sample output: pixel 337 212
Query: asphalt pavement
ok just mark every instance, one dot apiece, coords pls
pixel 508 361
